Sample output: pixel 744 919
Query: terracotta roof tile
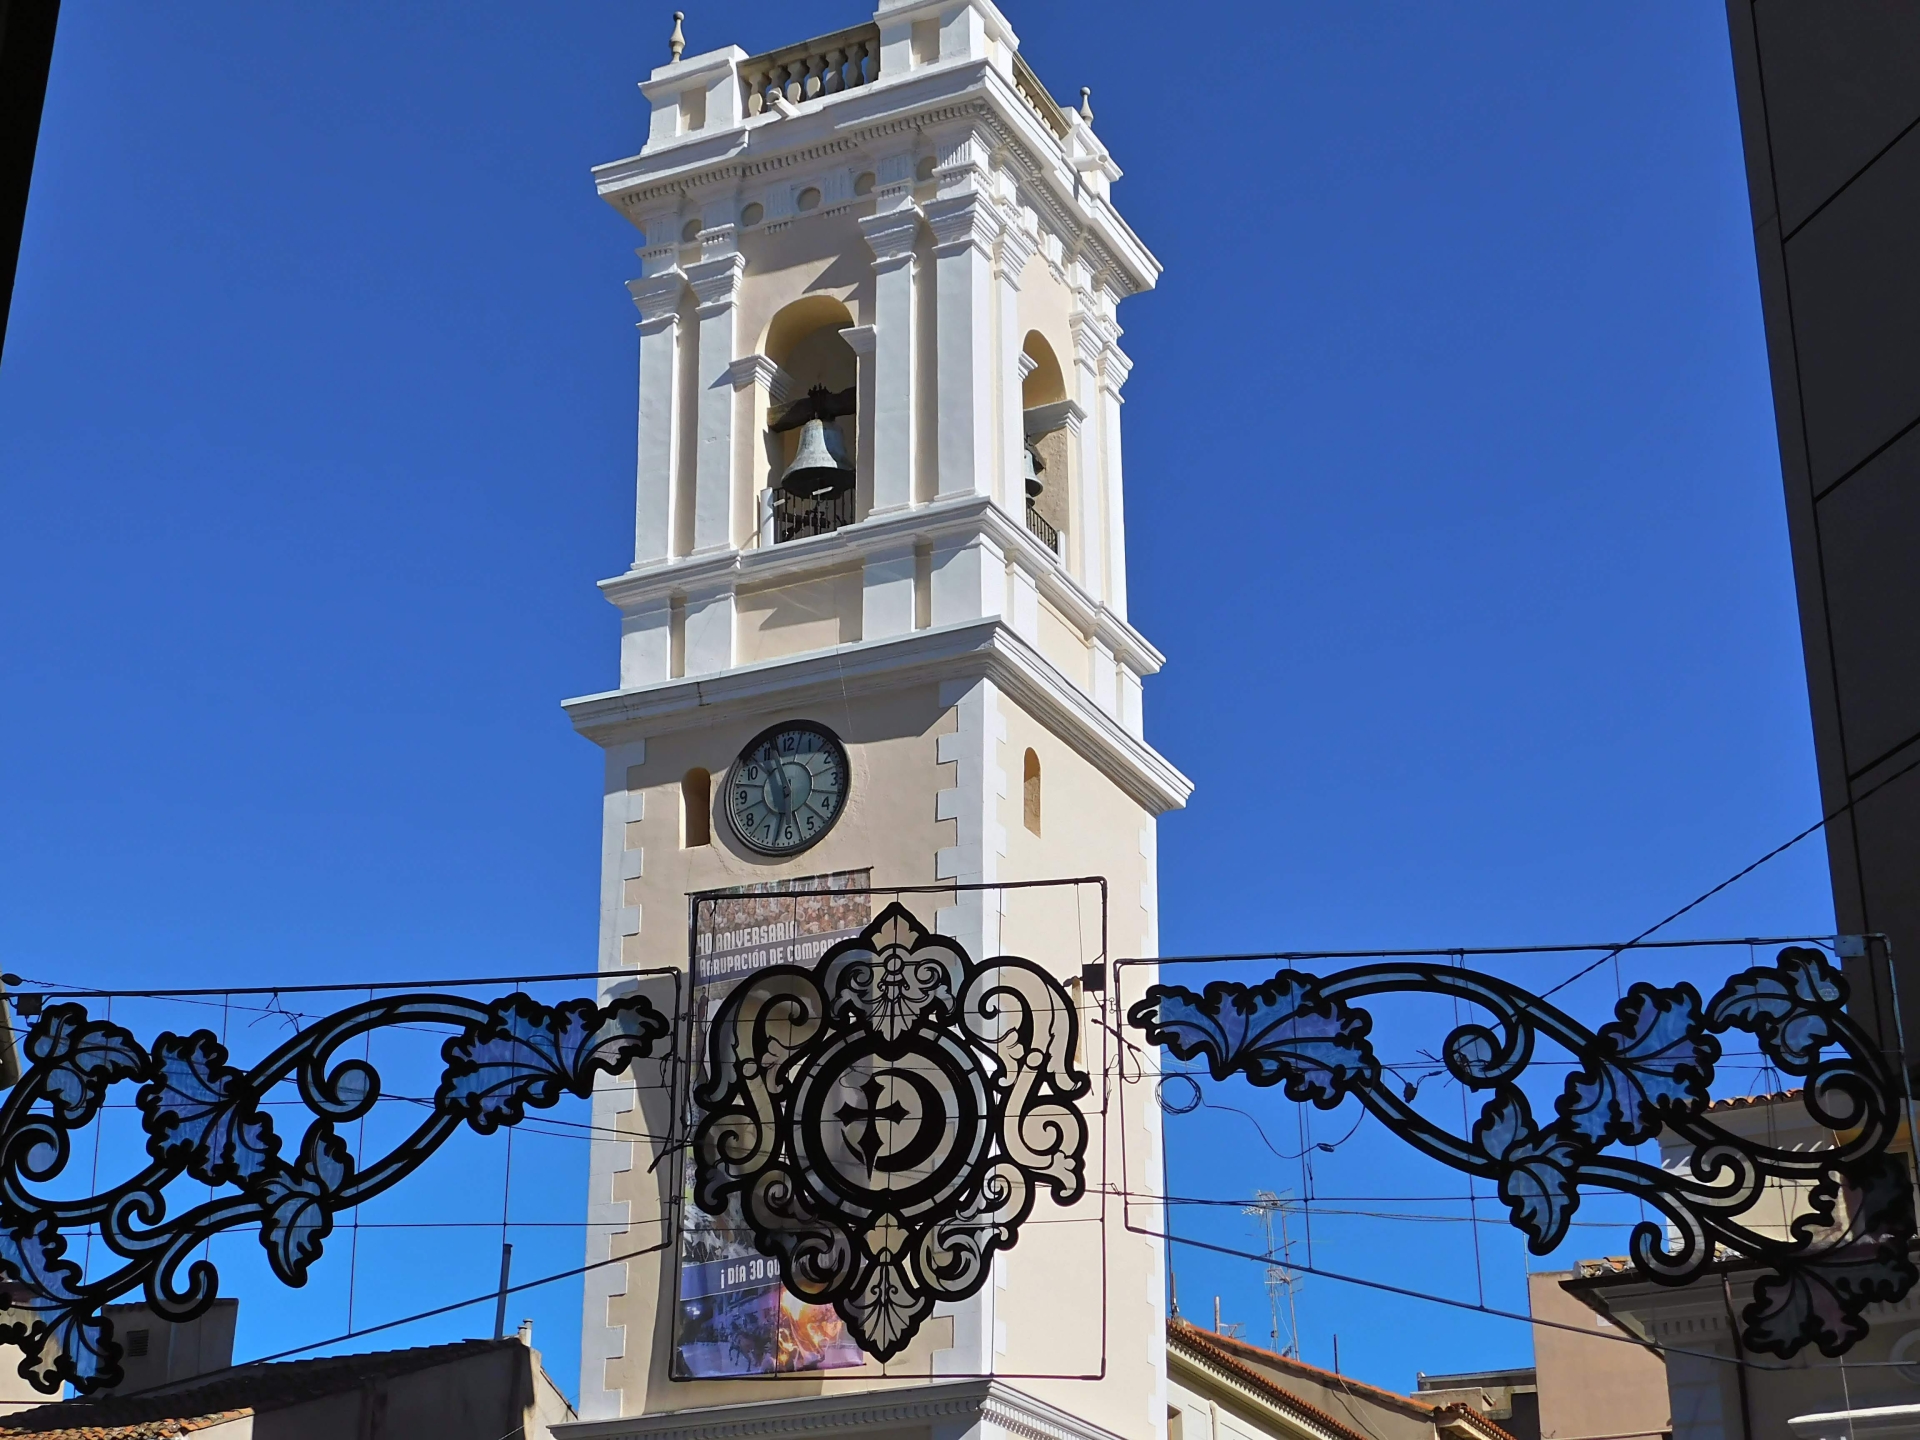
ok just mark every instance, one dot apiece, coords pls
pixel 1744 1102
pixel 1248 1361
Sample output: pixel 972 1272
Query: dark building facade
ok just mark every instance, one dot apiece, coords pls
pixel 1829 109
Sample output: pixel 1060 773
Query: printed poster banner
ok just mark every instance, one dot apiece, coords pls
pixel 732 1317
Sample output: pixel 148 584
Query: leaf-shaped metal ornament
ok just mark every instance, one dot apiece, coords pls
pixel 78 1059
pixel 1794 1008
pixel 1655 1059
pixel 1842 1263
pixel 1282 1031
pixel 298 1204
pixel 204 1122
pixel 1535 1168
pixel 199 1108
pixel 1645 1073
pixel 527 1054
pixel 64 1341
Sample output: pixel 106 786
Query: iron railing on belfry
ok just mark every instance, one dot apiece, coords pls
pixel 796 517
pixel 1048 536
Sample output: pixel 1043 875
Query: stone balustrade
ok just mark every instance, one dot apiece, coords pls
pixel 826 66
pixel 1037 98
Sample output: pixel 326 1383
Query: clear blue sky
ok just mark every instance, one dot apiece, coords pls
pixel 1451 471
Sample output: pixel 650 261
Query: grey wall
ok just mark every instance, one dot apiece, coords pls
pixel 1829 100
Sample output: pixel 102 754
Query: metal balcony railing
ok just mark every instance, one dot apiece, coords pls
pixel 1048 536
pixel 796 517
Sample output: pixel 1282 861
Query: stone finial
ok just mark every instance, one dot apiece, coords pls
pixel 1086 103
pixel 677 42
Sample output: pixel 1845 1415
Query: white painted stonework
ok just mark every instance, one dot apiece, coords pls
pixel 940 239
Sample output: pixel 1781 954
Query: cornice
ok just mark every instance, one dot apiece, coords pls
pixel 716 282
pixel 914 1406
pixel 652 586
pixel 987 649
pixel 854 121
pixel 657 297
pixel 767 374
pixel 891 234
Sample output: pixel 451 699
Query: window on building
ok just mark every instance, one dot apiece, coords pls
pixel 137 1341
pixel 1030 793
pixel 696 809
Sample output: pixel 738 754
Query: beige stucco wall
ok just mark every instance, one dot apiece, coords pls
pixel 1089 828
pixel 1590 1383
pixel 1055 1275
pixel 888 825
pixel 812 614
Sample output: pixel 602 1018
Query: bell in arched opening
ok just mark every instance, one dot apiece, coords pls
pixel 820 465
pixel 1032 467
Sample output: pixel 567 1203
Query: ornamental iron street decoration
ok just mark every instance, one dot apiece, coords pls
pixel 1647 1071
pixel 204 1119
pixel 886 1116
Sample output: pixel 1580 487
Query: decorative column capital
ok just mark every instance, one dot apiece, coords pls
pixel 1115 366
pixel 716 283
pixel 1018 245
pixel 657 297
pixel 891 236
pixel 759 370
pixel 1090 338
pixel 963 221
pixel 863 340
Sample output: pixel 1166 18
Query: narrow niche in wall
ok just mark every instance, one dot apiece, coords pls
pixel 696 809
pixel 1030 793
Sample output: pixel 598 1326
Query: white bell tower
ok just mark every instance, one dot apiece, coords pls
pixel 894 234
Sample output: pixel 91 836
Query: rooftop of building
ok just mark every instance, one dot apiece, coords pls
pixel 1485 1379
pixel 1265 1369
pixel 208 1400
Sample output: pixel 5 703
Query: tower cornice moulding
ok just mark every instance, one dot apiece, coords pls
pixel 974 649
pixel 909 1407
pixel 652 586
pixel 875 118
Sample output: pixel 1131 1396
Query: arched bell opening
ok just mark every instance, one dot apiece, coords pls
pixel 812 429
pixel 1046 414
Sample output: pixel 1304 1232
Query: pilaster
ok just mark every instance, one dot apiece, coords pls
pixel 709 621
pixel 886 590
pixel 646 645
pixel 891 235
pixel 716 288
pixel 1018 245
pixel 1114 367
pixel 658 298
pixel 969 578
pixel 761 385
pixel 1088 564
pixel 965 224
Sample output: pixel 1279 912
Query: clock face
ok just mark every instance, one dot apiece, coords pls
pixel 788 787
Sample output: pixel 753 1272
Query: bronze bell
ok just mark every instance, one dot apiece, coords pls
pixel 820 465
pixel 1031 466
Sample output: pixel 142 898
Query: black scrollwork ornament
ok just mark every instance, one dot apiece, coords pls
pixel 886 1117
pixel 203 1119
pixel 1647 1071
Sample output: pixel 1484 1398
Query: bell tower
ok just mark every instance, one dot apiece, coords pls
pixel 874 641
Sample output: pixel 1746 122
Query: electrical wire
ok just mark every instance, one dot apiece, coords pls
pixel 1740 874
